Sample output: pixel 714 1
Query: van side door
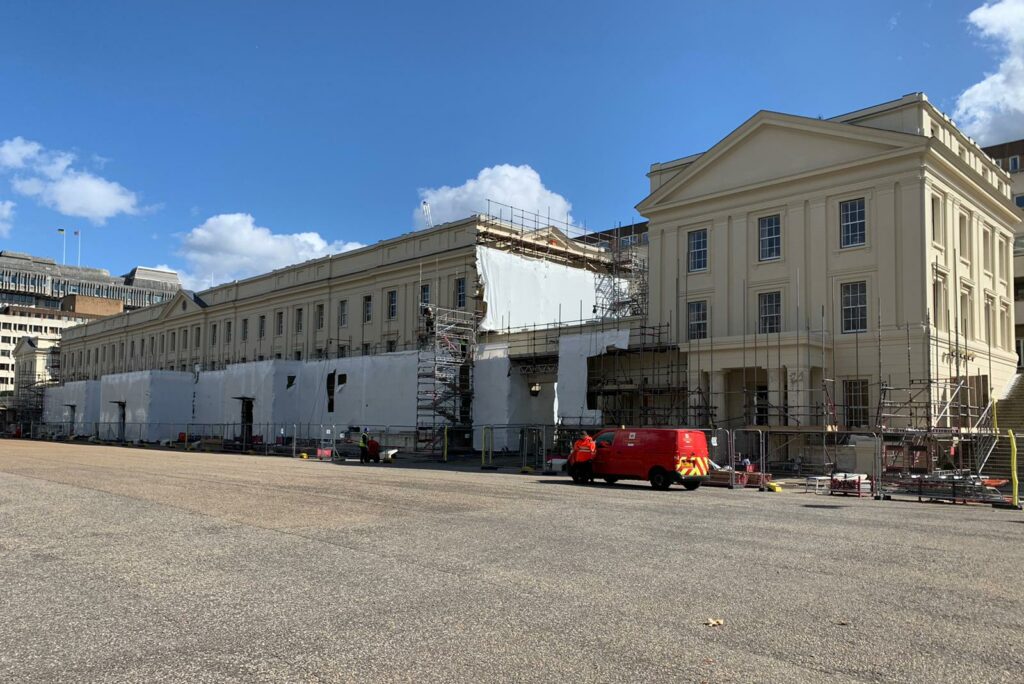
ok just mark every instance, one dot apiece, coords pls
pixel 605 456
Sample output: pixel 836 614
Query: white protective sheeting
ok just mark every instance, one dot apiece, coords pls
pixel 76 404
pixel 573 352
pixel 522 292
pixel 368 391
pixel 501 397
pixel 157 404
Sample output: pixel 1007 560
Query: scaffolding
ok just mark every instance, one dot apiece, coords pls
pixel 444 387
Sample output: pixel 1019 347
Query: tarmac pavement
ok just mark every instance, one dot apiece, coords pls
pixel 128 565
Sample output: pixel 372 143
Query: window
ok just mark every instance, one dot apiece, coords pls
pixel 342 351
pixel 297 355
pixel 319 316
pixel 697 250
pixel 769 231
pixel 937 231
pixel 852 223
pixel 279 323
pixel 967 313
pixel 196 333
pixel 184 338
pixel 261 329
pixel 965 238
pixel 854 306
pixel 367 308
pixel 986 253
pixel 425 294
pixel 1019 201
pixel 697 320
pixel 769 310
pixel 298 320
pixel 1014 164
pixel 227 332
pixel 460 293
pixel 171 343
pixel 989 323
pixel 391 345
pixel 939 302
pixel 162 343
pixel 213 335
pixel 392 304
pixel 343 313
pixel 855 399
pixel 245 329
pixel 366 348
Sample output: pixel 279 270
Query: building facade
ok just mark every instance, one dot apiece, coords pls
pixel 814 270
pixel 28 280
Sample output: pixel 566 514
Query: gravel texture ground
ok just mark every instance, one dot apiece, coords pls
pixel 128 565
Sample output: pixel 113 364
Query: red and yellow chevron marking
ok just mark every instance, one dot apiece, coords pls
pixel 693 466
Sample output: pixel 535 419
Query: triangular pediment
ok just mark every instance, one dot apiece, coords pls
pixel 182 304
pixel 773 147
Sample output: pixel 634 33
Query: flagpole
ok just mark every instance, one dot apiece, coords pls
pixel 64 245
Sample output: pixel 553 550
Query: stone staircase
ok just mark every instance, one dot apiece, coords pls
pixel 1010 416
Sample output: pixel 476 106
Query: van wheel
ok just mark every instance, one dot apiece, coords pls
pixel 611 480
pixel 690 485
pixel 660 479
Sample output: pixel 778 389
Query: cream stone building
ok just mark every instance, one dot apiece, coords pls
pixel 850 273
pixel 811 268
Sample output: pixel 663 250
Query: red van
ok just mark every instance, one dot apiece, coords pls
pixel 660 456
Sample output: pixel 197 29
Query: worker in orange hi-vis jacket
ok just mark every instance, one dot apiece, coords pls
pixel 583 452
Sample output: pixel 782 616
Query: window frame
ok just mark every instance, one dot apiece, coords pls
pixel 392 303
pixel 700 307
pixel 762 316
pixel 845 222
pixel 862 387
pixel 367 309
pixel 861 308
pixel 762 239
pixel 695 254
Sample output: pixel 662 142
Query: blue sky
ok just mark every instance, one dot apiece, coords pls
pixel 243 134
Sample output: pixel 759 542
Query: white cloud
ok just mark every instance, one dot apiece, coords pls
pixel 6 216
pixel 48 176
pixel 516 186
pixel 16 151
pixel 992 110
pixel 231 246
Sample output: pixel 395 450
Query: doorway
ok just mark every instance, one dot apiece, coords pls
pixel 246 421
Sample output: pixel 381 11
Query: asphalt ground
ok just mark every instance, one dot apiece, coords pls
pixel 127 565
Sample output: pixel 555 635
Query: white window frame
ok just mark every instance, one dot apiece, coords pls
pixel 697 320
pixel 767 242
pixel 853 223
pixel 697 254
pixel 769 321
pixel 854 314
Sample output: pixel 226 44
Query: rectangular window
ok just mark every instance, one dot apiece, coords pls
pixel 262 327
pixel 769 231
pixel 392 345
pixel 392 304
pixel 855 399
pixel 697 250
pixel 697 320
pixel 343 313
pixel 425 294
pixel 460 293
pixel 967 313
pixel 279 323
pixel 172 340
pixel 162 343
pixel 769 312
pixel 298 320
pixel 937 231
pixel 852 223
pixel 854 306
pixel 245 329
pixel 939 302
pixel 196 332
pixel 227 332
pixel 213 335
pixel 367 308
pixel 184 338
pixel 987 249
pixel 965 242
pixel 319 316
pixel 366 348
pixel 1014 164
pixel 1019 201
